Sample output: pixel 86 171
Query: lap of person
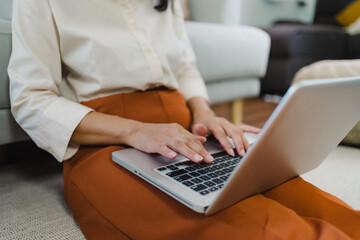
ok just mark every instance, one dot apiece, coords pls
pixel 96 186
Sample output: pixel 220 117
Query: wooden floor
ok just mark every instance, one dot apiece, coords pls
pixel 256 111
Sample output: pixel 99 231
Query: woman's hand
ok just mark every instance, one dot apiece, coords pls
pixel 167 139
pixel 205 123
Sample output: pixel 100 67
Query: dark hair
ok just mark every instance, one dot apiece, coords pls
pixel 162 5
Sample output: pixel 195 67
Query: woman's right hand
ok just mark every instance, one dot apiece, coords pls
pixel 165 139
pixel 168 140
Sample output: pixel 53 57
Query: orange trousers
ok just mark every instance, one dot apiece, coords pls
pixel 108 202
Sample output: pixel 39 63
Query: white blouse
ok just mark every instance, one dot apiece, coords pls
pixel 68 51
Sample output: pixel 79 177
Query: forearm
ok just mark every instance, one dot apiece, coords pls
pixel 166 139
pixel 100 129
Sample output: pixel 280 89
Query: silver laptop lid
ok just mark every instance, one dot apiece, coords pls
pixel 310 121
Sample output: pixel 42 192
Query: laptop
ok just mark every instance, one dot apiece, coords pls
pixel 309 122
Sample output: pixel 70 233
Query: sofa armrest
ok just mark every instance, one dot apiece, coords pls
pixel 5 52
pixel 228 52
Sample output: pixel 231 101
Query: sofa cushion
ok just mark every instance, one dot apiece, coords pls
pixel 353 46
pixel 297 39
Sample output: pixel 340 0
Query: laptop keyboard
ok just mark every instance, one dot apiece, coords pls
pixel 202 178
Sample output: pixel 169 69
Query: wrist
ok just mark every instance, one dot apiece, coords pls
pixel 200 108
pixel 127 130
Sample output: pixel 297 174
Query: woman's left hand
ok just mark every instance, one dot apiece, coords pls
pixel 206 123
pixel 221 129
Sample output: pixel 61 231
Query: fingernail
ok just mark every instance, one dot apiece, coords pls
pixel 231 151
pixel 242 152
pixel 172 154
pixel 209 158
pixel 198 157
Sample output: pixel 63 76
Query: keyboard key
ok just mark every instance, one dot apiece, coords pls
pixel 220 173
pixel 199 166
pixel 235 162
pixel 231 162
pixel 198 187
pixel 224 165
pixel 220 159
pixel 176 173
pixel 190 169
pixel 227 170
pixel 212 175
pixel 209 169
pixel 194 174
pixel 220 186
pixel 202 171
pixel 178 164
pixel 189 163
pixel 188 183
pixel 213 189
pixel 209 183
pixel 205 178
pixel 172 167
pixel 224 178
pixel 218 180
pixel 182 177
pixel 204 192
pixel 196 180
pixel 162 169
pixel 217 167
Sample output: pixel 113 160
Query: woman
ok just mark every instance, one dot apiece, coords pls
pixel 91 76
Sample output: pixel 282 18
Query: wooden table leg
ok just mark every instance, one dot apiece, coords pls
pixel 237 108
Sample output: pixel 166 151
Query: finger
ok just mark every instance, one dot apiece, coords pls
pixel 235 134
pixel 196 145
pixel 199 148
pixel 201 139
pixel 239 145
pixel 249 129
pixel 166 152
pixel 245 141
pixel 200 130
pixel 220 135
pixel 187 152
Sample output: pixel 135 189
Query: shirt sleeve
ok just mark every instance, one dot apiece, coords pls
pixel 35 77
pixel 191 84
